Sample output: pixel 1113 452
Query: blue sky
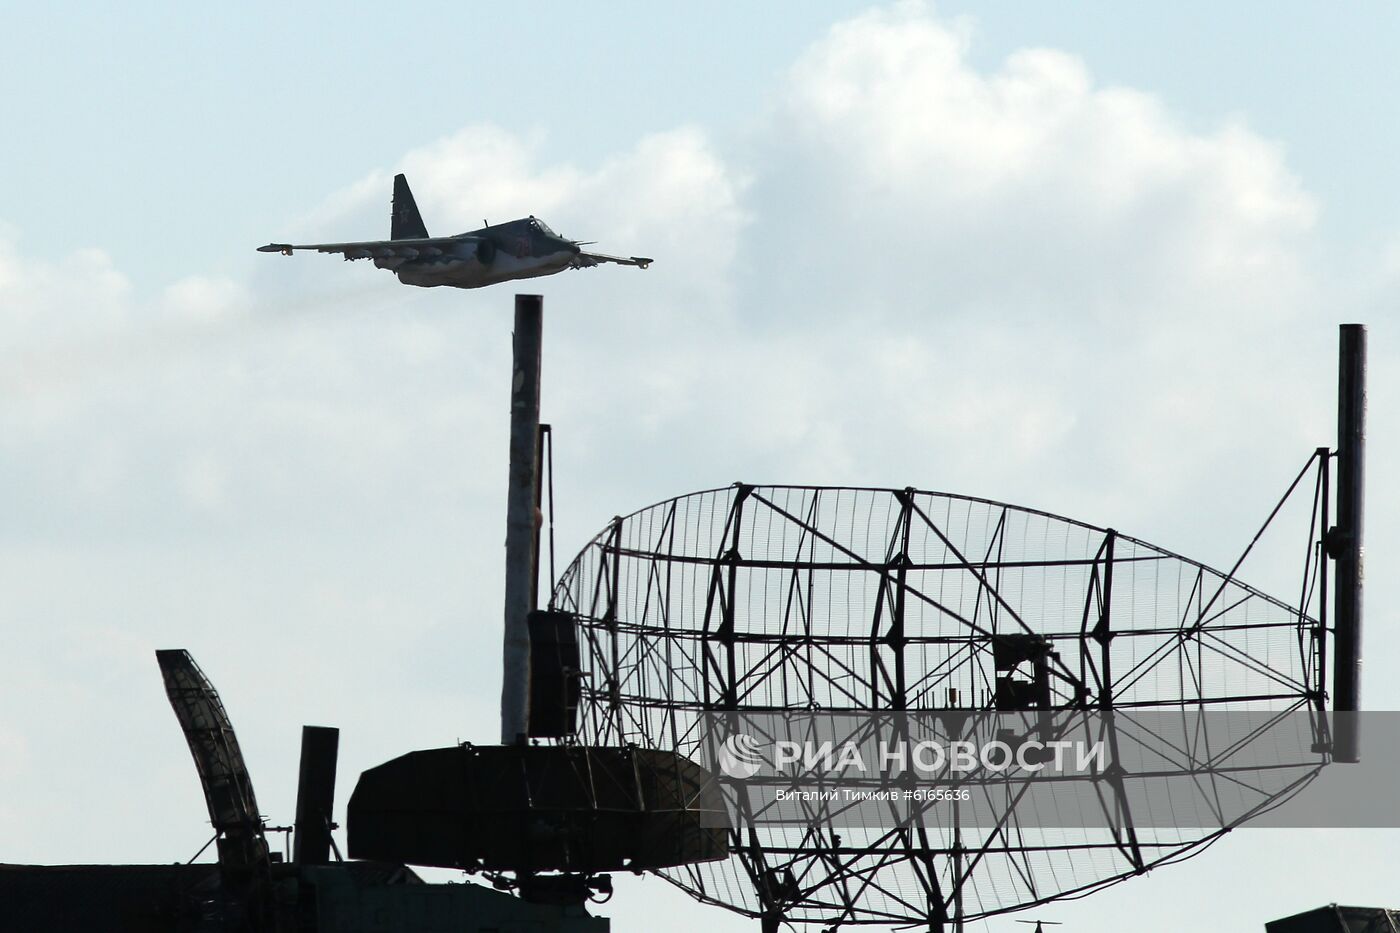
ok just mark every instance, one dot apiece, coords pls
pixel 1086 258
pixel 233 94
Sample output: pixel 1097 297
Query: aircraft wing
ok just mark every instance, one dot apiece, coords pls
pixel 379 249
pixel 586 260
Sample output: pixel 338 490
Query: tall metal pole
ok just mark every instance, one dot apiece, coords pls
pixel 521 540
pixel 1345 539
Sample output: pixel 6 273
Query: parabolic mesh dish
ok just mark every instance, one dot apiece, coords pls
pixel 763 598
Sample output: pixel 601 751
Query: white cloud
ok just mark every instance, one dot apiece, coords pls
pixel 204 299
pixel 203 483
pixel 1025 189
pixel 81 294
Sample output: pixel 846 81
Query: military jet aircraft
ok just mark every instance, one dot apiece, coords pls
pixel 520 249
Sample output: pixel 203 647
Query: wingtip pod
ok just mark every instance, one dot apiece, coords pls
pixel 284 248
pixel 641 261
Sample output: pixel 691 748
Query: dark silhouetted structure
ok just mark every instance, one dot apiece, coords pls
pixel 1337 919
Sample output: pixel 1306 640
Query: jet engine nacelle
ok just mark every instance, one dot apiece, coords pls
pixel 486 252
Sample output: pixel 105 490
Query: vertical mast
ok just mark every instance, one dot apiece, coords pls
pixel 1344 543
pixel 521 539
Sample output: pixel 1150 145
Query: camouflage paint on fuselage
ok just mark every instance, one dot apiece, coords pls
pixel 520 249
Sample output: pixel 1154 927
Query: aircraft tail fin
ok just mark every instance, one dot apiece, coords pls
pixel 405 222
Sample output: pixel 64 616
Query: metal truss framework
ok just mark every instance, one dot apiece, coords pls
pixel 244 863
pixel 770 598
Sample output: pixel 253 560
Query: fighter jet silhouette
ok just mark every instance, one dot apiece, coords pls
pixel 520 249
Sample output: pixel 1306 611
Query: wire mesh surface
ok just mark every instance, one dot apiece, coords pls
pixel 762 598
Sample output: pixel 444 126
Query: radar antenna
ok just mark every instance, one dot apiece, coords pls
pixel 244 862
pixel 787 601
